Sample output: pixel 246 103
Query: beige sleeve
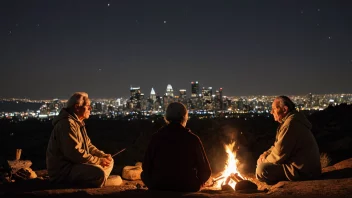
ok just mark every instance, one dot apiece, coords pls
pixel 284 145
pixel 72 147
pixel 268 151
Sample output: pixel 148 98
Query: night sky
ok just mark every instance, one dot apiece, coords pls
pixel 52 48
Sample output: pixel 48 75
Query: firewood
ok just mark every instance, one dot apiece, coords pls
pixel 236 177
pixel 218 178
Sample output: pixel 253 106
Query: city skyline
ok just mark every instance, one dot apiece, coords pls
pixel 139 107
pixel 27 99
pixel 52 49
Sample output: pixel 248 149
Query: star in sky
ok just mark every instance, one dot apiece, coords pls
pixel 140 36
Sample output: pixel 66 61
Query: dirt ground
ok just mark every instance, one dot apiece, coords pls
pixel 336 181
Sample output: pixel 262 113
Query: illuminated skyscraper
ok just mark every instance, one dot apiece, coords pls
pixel 183 94
pixel 135 98
pixel 219 103
pixel 169 91
pixel 135 92
pixel 221 100
pixel 207 93
pixel 194 89
pixel 152 95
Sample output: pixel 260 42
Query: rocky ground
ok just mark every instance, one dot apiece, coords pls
pixel 336 181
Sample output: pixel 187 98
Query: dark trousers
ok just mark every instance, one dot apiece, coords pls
pixel 270 173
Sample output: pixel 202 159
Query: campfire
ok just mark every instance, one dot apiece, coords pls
pixel 231 178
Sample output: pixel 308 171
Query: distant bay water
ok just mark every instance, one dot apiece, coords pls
pixel 14 106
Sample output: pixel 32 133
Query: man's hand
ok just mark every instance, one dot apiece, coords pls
pixel 106 160
pixel 108 156
pixel 261 158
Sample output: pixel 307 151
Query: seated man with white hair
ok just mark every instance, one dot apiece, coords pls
pixel 295 153
pixel 71 157
pixel 175 159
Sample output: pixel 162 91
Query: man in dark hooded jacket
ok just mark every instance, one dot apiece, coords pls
pixel 175 159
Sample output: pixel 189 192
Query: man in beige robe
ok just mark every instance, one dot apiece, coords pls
pixel 295 153
pixel 71 157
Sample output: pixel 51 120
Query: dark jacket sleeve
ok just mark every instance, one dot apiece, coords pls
pixel 147 162
pixel 203 166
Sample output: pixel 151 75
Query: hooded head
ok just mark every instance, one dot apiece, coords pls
pixel 176 112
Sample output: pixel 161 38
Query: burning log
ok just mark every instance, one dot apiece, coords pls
pixel 241 184
pixel 218 178
pixel 230 179
pixel 235 177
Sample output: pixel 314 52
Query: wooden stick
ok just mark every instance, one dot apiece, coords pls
pixel 118 152
pixel 218 178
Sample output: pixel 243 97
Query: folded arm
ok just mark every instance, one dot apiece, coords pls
pixel 282 149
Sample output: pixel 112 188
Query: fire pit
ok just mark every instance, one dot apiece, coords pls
pixel 230 178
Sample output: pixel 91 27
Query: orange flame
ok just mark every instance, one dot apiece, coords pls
pixel 230 167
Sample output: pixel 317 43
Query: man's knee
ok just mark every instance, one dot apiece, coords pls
pixel 98 178
pixel 270 173
pixel 260 171
pixel 88 175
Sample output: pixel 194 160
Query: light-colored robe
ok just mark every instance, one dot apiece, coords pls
pixel 295 148
pixel 69 145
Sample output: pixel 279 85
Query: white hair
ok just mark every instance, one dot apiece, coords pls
pixel 80 98
pixel 286 101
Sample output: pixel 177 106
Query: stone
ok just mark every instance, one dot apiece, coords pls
pixel 114 180
pixel 16 165
pixel 132 172
pixel 245 185
pixel 227 187
pixel 24 174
